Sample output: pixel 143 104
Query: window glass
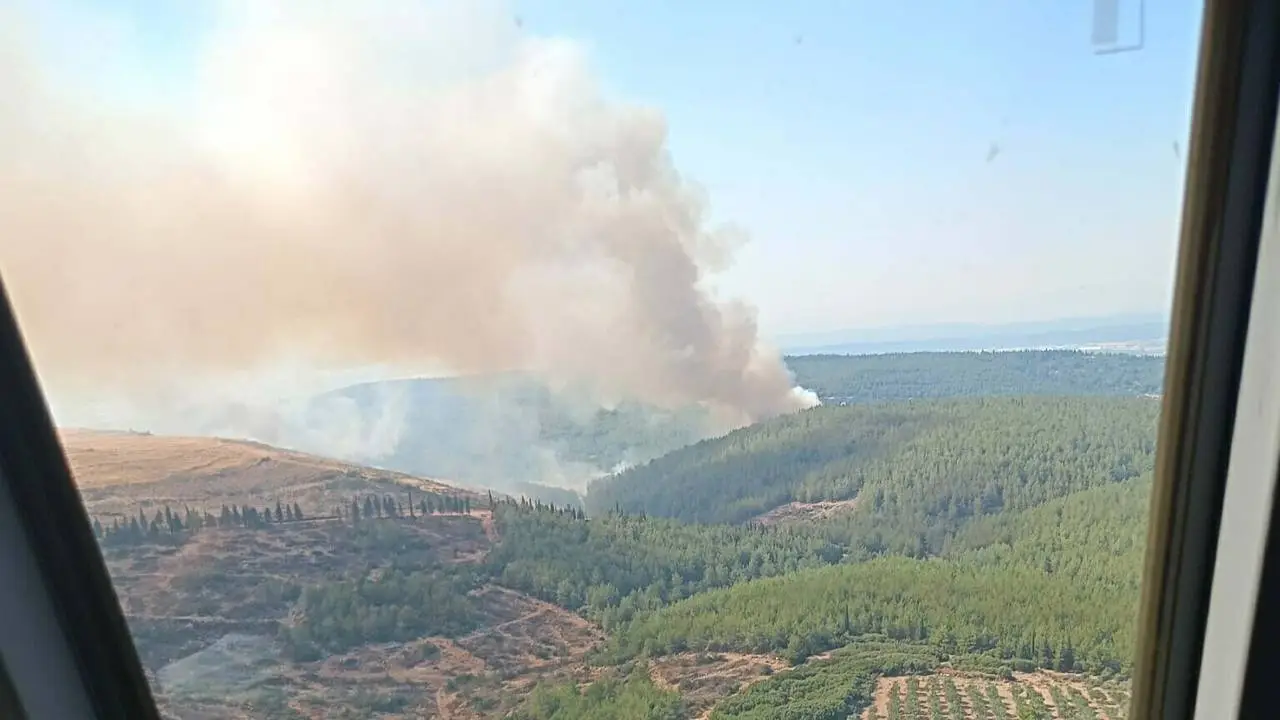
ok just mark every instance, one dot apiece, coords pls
pixel 552 360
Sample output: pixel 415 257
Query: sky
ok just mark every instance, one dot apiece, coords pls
pixel 850 141
pixel 851 138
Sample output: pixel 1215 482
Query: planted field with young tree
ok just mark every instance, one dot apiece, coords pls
pixel 1023 696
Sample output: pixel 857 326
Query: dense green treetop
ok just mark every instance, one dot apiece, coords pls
pixel 622 564
pixel 1009 610
pixel 1056 586
pixel 920 467
pixel 1095 536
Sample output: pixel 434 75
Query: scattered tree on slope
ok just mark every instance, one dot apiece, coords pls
pixel 632 698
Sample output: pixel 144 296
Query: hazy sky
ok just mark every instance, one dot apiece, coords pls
pixel 851 141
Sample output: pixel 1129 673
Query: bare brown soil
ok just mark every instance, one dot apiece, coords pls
pixel 1107 700
pixel 799 512
pixel 183 596
pixel 481 675
pixel 180 600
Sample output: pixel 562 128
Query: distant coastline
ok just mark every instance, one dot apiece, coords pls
pixel 1133 334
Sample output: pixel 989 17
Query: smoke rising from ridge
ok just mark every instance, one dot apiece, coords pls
pixel 407 183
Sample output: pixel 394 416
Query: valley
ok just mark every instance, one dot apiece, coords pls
pixel 967 556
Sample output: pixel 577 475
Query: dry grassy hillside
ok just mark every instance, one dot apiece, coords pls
pixel 118 471
pixel 206 614
pixel 207 607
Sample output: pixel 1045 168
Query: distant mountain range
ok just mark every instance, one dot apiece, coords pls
pixel 1137 334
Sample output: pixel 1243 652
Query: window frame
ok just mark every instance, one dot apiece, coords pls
pixel 1233 124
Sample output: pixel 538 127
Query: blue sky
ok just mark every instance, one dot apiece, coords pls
pixel 851 141
pixel 856 157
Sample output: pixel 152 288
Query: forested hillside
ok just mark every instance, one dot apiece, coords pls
pixel 991 534
pixel 1056 585
pixel 1097 536
pixel 904 376
pixel 920 469
pixel 1012 611
pixel 614 566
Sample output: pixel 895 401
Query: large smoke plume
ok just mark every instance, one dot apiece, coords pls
pixel 417 184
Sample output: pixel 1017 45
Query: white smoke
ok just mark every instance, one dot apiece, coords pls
pixel 417 184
